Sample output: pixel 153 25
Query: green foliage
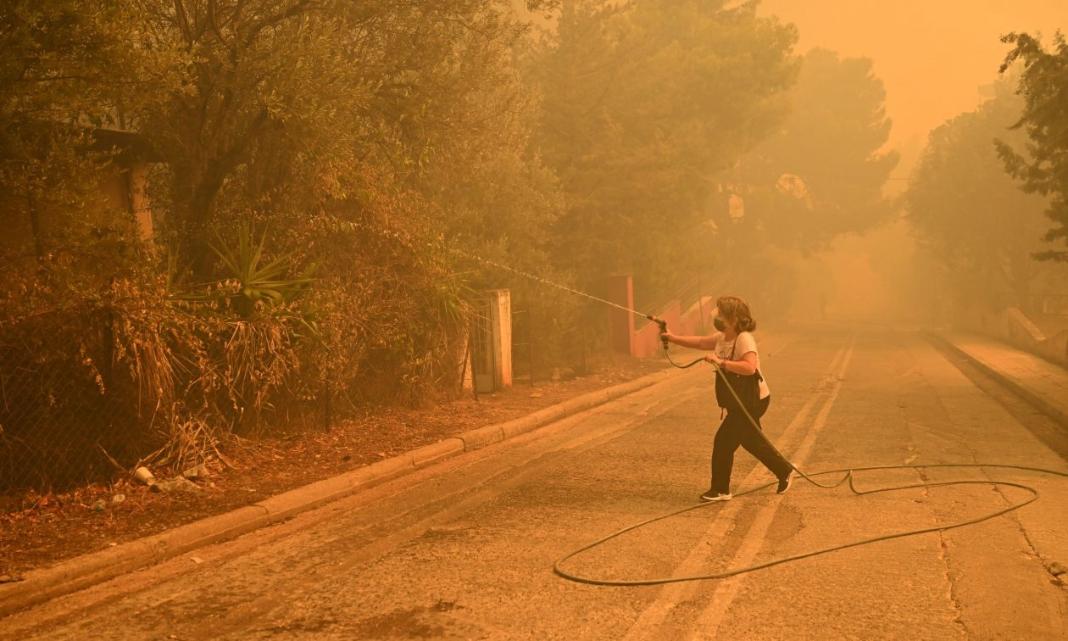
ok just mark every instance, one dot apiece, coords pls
pixel 967 212
pixel 58 55
pixel 1043 169
pixel 375 139
pixel 643 104
pixel 820 174
pixel 369 137
pixel 258 282
pixel 823 172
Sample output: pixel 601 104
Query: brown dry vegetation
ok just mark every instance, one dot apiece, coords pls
pixel 230 224
pixel 36 530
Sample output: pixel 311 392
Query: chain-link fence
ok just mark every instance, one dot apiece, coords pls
pixel 524 348
pixel 72 411
pixel 66 416
pixel 543 346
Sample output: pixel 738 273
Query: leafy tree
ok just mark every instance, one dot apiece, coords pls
pixel 1043 84
pixel 644 102
pixel 370 138
pixel 820 174
pixel 274 108
pixel 59 235
pixel 967 212
pixel 823 172
pixel 60 56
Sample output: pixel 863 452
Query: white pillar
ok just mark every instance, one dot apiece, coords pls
pixel 500 314
pixel 491 342
pixel 137 183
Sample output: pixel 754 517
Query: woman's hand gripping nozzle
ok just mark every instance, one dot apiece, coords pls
pixel 663 330
pixel 665 339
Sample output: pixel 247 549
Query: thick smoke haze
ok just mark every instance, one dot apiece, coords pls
pixel 936 60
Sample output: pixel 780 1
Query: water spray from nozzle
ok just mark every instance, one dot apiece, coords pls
pixel 659 321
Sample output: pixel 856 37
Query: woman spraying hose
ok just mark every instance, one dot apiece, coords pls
pixel 734 353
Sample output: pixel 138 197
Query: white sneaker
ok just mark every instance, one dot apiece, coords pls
pixel 712 495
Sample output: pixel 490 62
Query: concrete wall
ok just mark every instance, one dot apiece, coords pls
pixel 695 320
pixel 620 290
pixel 643 341
pixel 1014 327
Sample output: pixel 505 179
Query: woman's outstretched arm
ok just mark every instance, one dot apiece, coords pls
pixel 693 342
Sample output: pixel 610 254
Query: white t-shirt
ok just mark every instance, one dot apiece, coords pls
pixel 736 349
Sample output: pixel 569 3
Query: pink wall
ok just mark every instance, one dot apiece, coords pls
pixel 620 290
pixel 646 343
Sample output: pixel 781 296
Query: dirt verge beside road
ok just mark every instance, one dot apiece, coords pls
pixel 37 531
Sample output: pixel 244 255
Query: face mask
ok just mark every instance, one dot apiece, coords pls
pixel 718 323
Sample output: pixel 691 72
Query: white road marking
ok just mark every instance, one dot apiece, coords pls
pixel 672 594
pixel 707 624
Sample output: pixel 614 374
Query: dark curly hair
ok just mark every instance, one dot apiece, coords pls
pixel 736 309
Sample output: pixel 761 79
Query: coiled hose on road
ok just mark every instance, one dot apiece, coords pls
pixel 848 477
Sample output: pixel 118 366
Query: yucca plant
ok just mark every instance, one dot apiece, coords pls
pixel 267 283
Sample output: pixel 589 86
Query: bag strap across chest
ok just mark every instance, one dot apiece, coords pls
pixel 734 345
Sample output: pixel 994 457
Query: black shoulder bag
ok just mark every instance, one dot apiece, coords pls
pixel 746 387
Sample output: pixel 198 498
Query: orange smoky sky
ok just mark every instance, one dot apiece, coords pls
pixel 933 55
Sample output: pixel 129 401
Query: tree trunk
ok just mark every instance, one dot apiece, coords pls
pixel 194 216
pixel 35 226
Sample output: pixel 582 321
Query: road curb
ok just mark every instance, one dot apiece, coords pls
pixel 1036 400
pixel 96 567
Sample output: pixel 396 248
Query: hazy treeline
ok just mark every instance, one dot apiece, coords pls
pixel 988 197
pixel 318 171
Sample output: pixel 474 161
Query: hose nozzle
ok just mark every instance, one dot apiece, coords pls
pixel 663 329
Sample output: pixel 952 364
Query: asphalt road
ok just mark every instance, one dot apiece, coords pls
pixel 464 549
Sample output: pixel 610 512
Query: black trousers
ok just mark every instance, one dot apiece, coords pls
pixel 736 430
